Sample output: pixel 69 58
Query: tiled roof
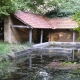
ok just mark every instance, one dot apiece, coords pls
pixel 39 21
pixel 34 20
pixel 63 23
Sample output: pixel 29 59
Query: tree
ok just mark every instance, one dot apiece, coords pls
pixel 61 7
pixel 7 7
pixel 28 5
pixel 10 6
pixel 69 6
pixel 64 7
pixel 76 17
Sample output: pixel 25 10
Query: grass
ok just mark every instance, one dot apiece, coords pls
pixel 7 67
pixel 6 48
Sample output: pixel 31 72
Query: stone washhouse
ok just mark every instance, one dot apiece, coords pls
pixel 29 27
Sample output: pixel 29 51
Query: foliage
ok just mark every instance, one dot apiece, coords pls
pixel 68 63
pixel 63 7
pixel 69 6
pixel 10 6
pixel 6 68
pixel 7 7
pixel 76 17
pixel 6 48
pixel 29 5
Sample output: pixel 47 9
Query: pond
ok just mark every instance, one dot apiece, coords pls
pixel 41 71
pixel 46 62
pixel 50 75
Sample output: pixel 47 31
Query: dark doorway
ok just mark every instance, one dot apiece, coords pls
pixel 45 35
pixel 1 29
pixel 38 35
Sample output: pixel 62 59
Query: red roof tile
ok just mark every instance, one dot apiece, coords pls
pixel 38 21
pixel 63 23
pixel 34 20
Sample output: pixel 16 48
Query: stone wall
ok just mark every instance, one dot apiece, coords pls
pixel 14 35
pixel 7 30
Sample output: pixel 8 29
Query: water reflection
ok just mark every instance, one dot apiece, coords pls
pixel 44 75
pixel 40 72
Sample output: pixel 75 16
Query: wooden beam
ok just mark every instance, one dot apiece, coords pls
pixel 30 36
pixel 41 56
pixel 30 62
pixel 53 50
pixel 19 26
pixel 49 38
pixel 41 39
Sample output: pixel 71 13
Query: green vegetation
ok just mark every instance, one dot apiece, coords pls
pixel 69 63
pixel 62 8
pixel 10 6
pixel 29 5
pixel 58 7
pixel 51 8
pixel 76 17
pixel 9 48
pixel 7 7
pixel 68 7
pixel 6 66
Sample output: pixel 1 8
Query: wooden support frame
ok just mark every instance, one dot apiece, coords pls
pixel 41 38
pixel 30 36
pixel 19 26
pixel 41 56
pixel 30 62
pixel 73 36
pixel 30 33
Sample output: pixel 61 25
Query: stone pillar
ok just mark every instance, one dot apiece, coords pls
pixel 7 29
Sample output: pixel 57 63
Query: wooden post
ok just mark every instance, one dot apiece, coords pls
pixel 41 58
pixel 49 38
pixel 73 41
pixel 30 36
pixel 41 39
pixel 73 36
pixel 73 55
pixel 30 62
